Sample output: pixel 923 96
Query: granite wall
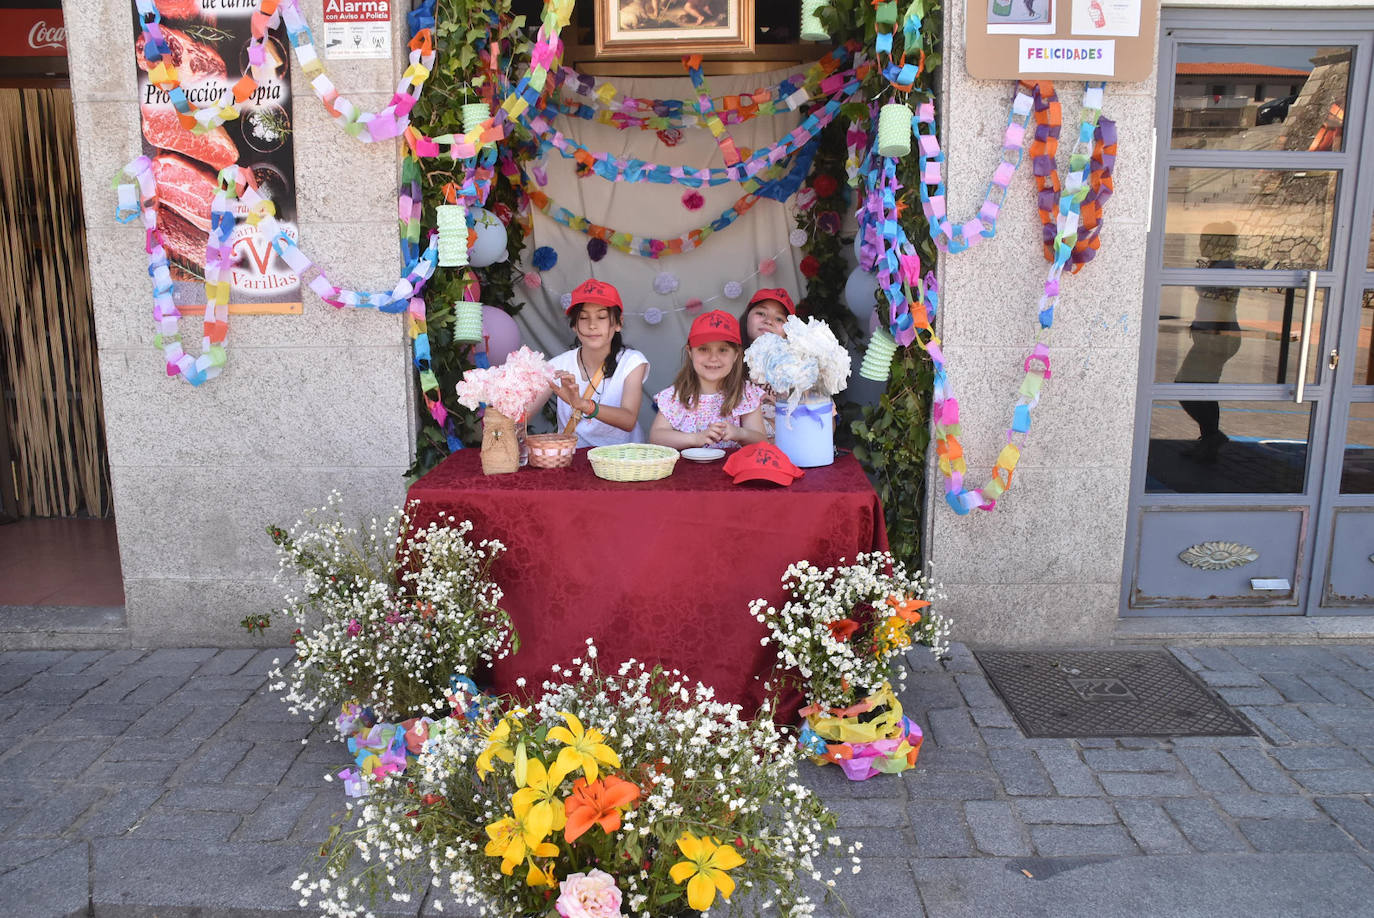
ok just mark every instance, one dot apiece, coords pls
pixel 307 403
pixel 1046 565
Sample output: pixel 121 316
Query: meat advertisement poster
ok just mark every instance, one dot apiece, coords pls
pixel 209 41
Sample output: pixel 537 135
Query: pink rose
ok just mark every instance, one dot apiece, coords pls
pixel 588 895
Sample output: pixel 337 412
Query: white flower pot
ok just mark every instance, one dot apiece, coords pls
pixel 807 433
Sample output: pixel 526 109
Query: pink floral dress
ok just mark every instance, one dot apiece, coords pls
pixel 707 411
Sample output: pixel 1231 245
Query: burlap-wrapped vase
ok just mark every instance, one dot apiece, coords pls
pixel 500 449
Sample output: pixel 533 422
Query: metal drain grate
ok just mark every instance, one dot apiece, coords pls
pixel 1075 693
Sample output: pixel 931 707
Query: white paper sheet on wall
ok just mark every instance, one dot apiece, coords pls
pixel 1106 17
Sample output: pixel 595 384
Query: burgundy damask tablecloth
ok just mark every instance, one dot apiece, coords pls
pixel 661 571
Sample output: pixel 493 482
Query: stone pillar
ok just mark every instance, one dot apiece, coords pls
pixel 1045 567
pixel 306 404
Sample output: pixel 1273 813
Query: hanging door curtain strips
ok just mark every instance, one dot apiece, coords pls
pixel 390 122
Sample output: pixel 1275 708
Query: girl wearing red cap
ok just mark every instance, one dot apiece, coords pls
pixel 601 380
pixel 768 309
pixel 710 403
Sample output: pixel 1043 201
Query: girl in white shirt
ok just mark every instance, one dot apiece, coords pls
pixel 609 410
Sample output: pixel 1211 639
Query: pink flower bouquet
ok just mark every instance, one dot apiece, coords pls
pixel 509 388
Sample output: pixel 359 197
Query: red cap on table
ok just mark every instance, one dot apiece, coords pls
pixel 762 462
pixel 713 326
pixel 595 293
pixel 775 293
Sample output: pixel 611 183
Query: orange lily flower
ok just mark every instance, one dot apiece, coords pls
pixel 598 803
pixel 906 608
pixel 842 629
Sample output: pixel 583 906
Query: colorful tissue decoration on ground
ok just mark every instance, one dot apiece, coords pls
pixel 386 620
pixel 842 631
pixel 382 749
pixel 950 237
pixel 137 190
pixel 633 792
pixel 869 738
pixel 390 122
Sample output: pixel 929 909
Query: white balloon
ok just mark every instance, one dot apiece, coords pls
pixel 860 293
pixel 490 246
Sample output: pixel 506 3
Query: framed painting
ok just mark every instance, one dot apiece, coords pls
pixel 671 28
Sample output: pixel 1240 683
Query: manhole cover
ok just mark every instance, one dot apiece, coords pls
pixel 1106 693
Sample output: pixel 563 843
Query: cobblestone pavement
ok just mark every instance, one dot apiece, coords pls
pixel 170 783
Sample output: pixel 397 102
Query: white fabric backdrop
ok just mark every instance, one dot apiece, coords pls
pixel 651 209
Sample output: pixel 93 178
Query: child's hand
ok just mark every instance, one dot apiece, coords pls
pixel 567 387
pixel 718 431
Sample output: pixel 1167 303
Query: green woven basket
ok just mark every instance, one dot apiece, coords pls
pixel 633 461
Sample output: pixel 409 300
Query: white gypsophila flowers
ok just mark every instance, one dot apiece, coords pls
pixel 385 615
pixel 699 764
pixel 842 630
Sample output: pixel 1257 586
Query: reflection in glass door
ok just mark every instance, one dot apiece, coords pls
pixel 1253 481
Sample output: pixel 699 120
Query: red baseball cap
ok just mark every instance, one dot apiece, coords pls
pixel 595 292
pixel 775 293
pixel 762 462
pixel 713 326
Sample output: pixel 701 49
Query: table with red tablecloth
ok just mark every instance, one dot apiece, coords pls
pixel 661 571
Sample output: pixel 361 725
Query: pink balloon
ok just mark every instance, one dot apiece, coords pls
pixel 501 334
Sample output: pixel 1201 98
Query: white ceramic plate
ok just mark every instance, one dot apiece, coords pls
pixel 703 454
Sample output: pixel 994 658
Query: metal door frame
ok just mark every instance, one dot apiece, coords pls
pixel 1353 28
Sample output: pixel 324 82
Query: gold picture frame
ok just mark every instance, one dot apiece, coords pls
pixel 672 28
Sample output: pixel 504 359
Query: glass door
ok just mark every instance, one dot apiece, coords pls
pixel 1251 300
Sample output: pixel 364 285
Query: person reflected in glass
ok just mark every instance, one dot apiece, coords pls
pixel 1215 334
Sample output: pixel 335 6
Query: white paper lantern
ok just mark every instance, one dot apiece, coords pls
pixel 467 321
pixel 894 129
pixel 811 27
pixel 877 364
pixel 453 235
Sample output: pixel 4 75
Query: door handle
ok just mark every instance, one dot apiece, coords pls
pixel 1305 347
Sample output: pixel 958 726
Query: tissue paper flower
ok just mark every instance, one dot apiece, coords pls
pixel 596 249
pixel 671 137
pixel 804 199
pixel 809 359
pixel 810 266
pixel 545 257
pixel 825 185
pixel 510 387
pixel 829 222
pixel 665 283
pixel 692 200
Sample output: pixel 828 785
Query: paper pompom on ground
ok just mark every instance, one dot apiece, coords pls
pixel 665 283
pixel 596 249
pixel 692 200
pixel 545 257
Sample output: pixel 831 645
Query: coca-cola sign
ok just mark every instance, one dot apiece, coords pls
pixel 32 33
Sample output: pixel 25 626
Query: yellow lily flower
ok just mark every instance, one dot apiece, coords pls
pixel 583 749
pixel 540 790
pixel 515 838
pixel 893 633
pixel 706 866
pixel 498 747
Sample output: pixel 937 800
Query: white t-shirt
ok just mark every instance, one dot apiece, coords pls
pixel 610 392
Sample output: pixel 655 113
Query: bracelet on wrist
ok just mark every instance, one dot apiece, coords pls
pixel 596 409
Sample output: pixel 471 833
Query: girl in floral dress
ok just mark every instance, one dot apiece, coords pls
pixel 710 403
pixel 766 314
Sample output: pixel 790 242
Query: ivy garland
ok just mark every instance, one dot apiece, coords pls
pixel 463 36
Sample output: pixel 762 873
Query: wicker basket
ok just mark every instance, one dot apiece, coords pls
pixel 551 450
pixel 633 461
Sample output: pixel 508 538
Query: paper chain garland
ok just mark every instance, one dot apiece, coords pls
pixel 1044 149
pixel 901 75
pixel 387 123
pixel 949 237
pixel 667 114
pixel 896 259
pixel 137 199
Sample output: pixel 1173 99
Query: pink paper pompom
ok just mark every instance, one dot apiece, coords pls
pixel 767 267
pixel 694 304
pixel 692 200
pixel 533 280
